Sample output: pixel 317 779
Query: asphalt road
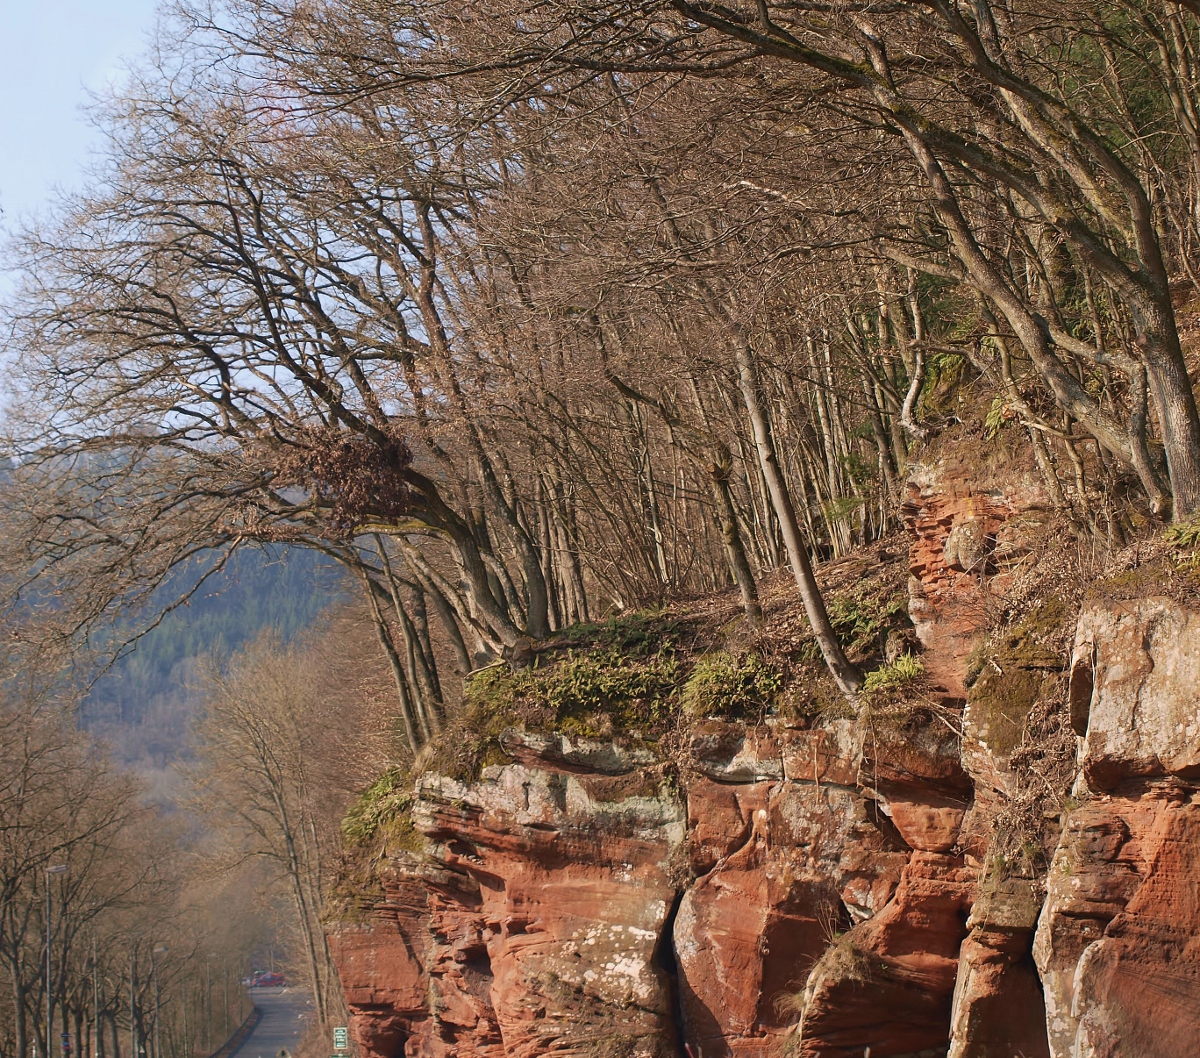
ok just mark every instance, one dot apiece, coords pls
pixel 284 1015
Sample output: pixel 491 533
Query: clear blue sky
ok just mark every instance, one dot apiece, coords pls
pixel 51 53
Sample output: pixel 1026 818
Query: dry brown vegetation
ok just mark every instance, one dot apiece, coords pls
pixel 141 956
pixel 636 302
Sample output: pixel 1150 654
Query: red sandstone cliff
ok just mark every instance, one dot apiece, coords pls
pixel 829 885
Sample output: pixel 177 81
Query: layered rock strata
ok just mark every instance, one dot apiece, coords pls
pixel 824 888
pixel 1118 943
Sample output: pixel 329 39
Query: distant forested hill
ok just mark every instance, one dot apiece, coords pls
pixel 143 706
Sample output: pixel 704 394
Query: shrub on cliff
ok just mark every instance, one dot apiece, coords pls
pixel 891 679
pixel 593 694
pixel 863 618
pixel 629 690
pixel 381 812
pixel 597 694
pixel 725 684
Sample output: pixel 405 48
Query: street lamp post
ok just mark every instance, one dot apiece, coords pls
pixel 60 868
pixel 95 999
pixel 208 1001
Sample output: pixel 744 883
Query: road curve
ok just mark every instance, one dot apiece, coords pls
pixel 285 1013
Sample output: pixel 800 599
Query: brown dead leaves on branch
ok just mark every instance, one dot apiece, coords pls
pixel 354 479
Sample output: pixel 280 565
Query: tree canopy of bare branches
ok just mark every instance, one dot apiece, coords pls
pixel 530 312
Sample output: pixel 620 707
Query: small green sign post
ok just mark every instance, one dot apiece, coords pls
pixel 339 1038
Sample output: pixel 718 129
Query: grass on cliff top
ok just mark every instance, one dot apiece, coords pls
pixel 379 822
pixel 895 679
pixel 730 685
pixel 612 680
pixel 635 676
pixel 601 694
pixel 377 807
pixel 1167 564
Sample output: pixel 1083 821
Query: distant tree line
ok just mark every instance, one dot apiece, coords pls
pixel 289 735
pixel 144 704
pixel 130 925
pixel 103 936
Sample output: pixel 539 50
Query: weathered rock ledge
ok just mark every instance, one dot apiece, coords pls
pixel 825 887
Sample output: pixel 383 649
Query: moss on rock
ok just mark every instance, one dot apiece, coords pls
pixel 599 694
pixel 1014 676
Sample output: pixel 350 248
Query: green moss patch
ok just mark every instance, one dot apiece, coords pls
pixel 640 632
pixel 599 694
pixel 861 620
pixel 1015 674
pixel 380 816
pixel 894 680
pixel 595 693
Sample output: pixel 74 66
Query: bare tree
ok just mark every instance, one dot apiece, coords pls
pixel 481 321
pixel 284 745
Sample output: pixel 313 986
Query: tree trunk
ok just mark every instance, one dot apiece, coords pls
pixel 403 693
pixel 425 691
pixel 306 916
pixel 847 677
pixel 1175 403
pixel 449 621
pixel 732 538
pixel 20 1022
pixel 420 619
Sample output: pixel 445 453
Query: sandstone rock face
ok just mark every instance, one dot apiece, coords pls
pixel 1117 943
pixel 553 913
pixel 1135 676
pixel 420 952
pixel 968 544
pixel 748 930
pixel 574 896
pixel 998 1008
pixel 534 924
pixel 963 539
pixel 384 983
pixel 916 772
pixel 887 985
pixel 827 886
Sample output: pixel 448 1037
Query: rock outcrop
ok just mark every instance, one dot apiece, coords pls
pixel 827 886
pixel 966 543
pixel 1118 944
pixel 545 920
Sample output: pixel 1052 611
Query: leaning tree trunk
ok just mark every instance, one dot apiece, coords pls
pixel 1176 406
pixel 446 614
pixel 847 677
pixel 403 691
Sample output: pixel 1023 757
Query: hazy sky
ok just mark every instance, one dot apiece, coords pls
pixel 51 52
